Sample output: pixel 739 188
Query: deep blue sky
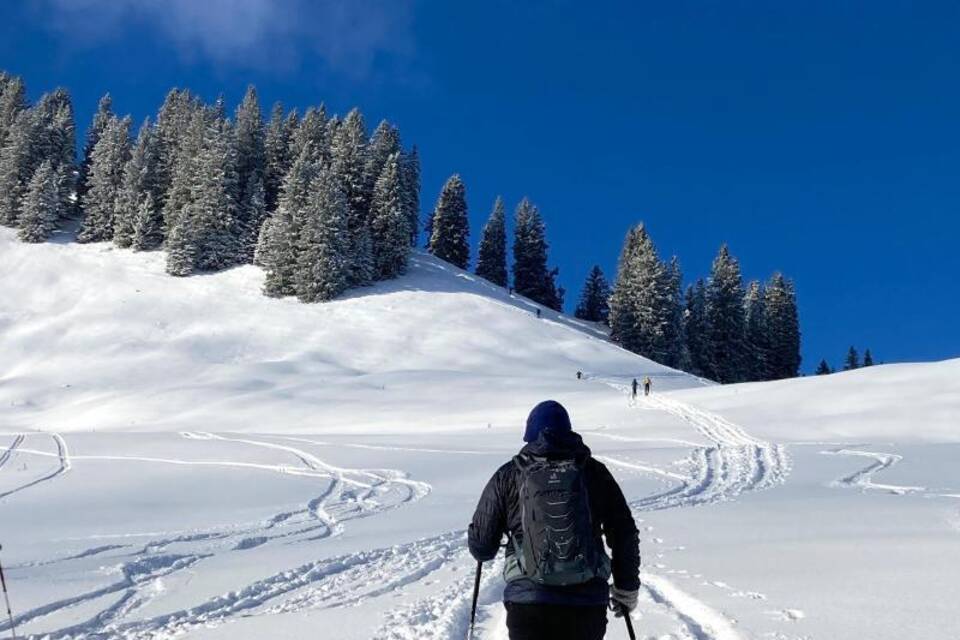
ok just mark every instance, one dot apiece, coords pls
pixel 817 138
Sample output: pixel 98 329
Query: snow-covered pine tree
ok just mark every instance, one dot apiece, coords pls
pixel 323 261
pixel 13 101
pixel 852 361
pixel 18 160
pixel 867 358
pixel 675 341
pixel 148 225
pixel 758 362
pixel 389 228
pixel 205 237
pixel 277 151
pixel 105 181
pixel 250 169
pixel 594 303
pixel 100 120
pixel 180 156
pixel 383 143
pixel 449 239
pixel 55 140
pixel 531 278
pixel 695 327
pixel 278 243
pixel 40 210
pixel 311 130
pixel 725 320
pixel 823 369
pixel 139 180
pixel 783 329
pixel 410 174
pixel 348 160
pixel 492 253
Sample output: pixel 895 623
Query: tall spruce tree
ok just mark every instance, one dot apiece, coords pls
pixel 139 181
pixel 277 151
pixel 695 328
pixel 13 101
pixel 852 361
pixel 531 278
pixel 642 304
pixel 17 165
pixel 725 320
pixel 492 253
pixel 250 170
pixel 823 369
pixel 40 210
pixel 676 344
pixel 783 329
pixel 384 142
pixel 451 229
pixel 100 120
pixel 389 222
pixel 594 299
pixel 100 203
pixel 323 261
pixel 279 237
pixel 758 365
pixel 410 174
pixel 311 130
pixel 867 358
pixel 348 160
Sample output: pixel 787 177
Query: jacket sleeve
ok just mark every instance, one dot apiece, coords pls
pixel 620 531
pixel 489 521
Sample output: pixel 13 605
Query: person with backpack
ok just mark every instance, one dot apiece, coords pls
pixel 556 504
pixel 647 383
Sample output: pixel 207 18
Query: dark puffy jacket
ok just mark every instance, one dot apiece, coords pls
pixel 498 512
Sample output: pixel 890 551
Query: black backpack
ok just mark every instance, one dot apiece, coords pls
pixel 558 546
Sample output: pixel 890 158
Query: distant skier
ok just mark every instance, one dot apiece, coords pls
pixel 579 375
pixel 552 591
pixel 538 312
pixel 634 388
pixel 647 383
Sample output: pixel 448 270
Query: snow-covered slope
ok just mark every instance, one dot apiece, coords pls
pixel 98 338
pixel 263 468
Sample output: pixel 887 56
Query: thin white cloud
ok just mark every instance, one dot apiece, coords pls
pixel 347 35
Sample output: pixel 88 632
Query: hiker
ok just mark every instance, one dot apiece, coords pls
pixel 538 312
pixel 556 568
pixel 634 387
pixel 647 382
pixel 579 375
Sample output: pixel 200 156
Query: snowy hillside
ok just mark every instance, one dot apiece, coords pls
pixel 98 338
pixel 186 458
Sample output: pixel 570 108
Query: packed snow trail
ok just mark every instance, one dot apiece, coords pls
pixel 5 457
pixel 864 477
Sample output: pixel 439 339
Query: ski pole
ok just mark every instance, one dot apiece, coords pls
pixel 626 618
pixel 6 596
pixel 476 593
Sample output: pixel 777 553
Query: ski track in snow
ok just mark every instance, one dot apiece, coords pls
pixel 348 494
pixel 864 477
pixel 63 455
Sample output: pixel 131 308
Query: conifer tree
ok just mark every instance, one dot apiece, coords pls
pixel 492 253
pixel 530 275
pixel 279 238
pixel 40 210
pixel 13 101
pixel 451 228
pixel 323 261
pixel 758 365
pixel 867 358
pixel 348 160
pixel 148 224
pixel 642 304
pixel 783 329
pixel 410 174
pixel 725 320
pixel 594 305
pixel 311 130
pixel 823 369
pixel 250 172
pixel 179 134
pixel 17 165
pixel 852 360
pixel 139 181
pixel 384 142
pixel 105 181
pixel 388 225
pixel 695 327
pixel 100 120
pixel 277 151
pixel 677 355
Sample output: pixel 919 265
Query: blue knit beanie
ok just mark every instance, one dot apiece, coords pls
pixel 546 416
